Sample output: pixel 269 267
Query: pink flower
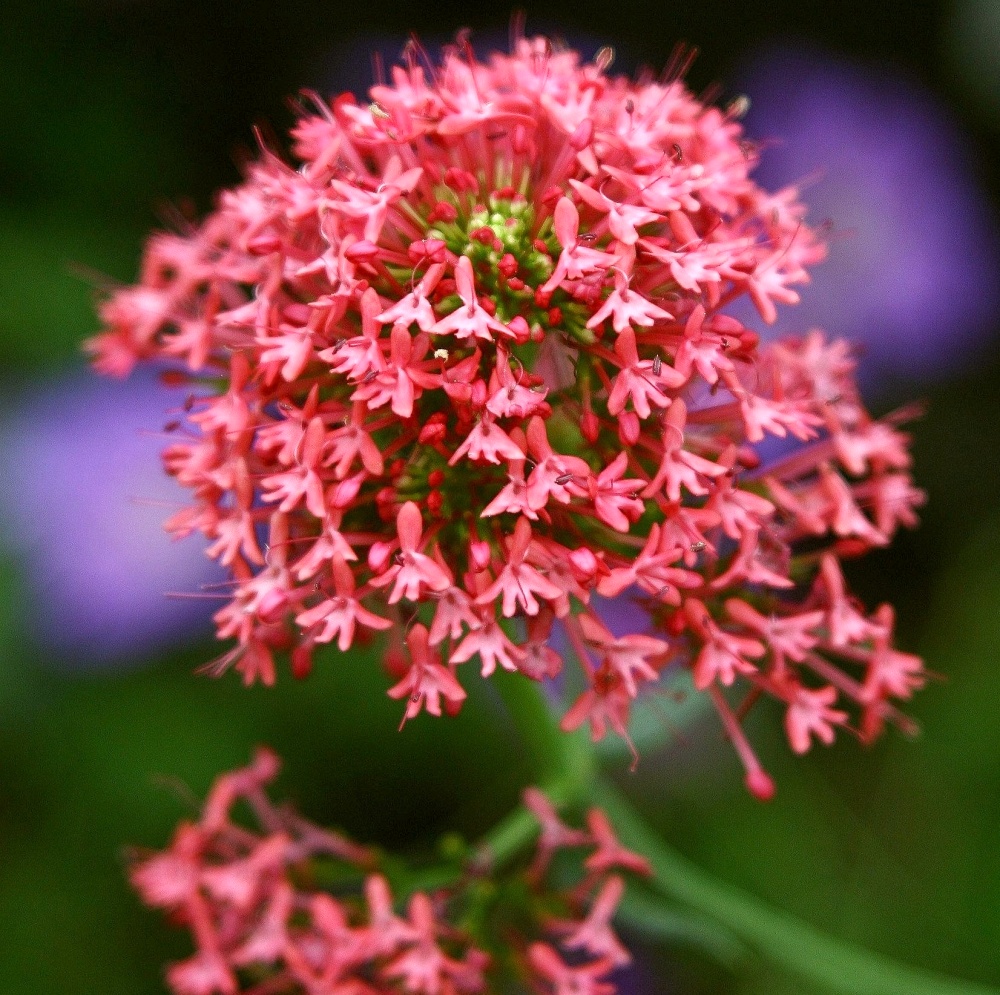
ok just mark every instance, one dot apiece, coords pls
pixel 415 571
pixel 605 703
pixel 493 646
pixel 518 582
pixel 595 934
pixel 723 654
pixel 565 980
pixel 469 319
pixel 809 713
pixel 616 500
pixel 489 311
pixel 628 656
pixel 644 381
pixel 575 260
pixel 339 614
pixel 203 974
pixel 557 476
pixel 248 895
pixel 623 219
pixel 427 681
pixel 489 443
pixel 610 853
pixel 626 308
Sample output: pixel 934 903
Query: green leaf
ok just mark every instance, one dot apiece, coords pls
pixel 788 943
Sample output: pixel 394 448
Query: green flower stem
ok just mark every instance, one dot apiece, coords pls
pixel 536 727
pixel 563 764
pixel 831 964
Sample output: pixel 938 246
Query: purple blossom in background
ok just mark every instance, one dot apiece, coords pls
pixel 83 497
pixel 913 265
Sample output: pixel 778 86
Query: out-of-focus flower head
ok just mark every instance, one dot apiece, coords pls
pixel 913 270
pixel 465 361
pixel 249 898
pixel 83 503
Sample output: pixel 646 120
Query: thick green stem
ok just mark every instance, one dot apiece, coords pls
pixel 533 720
pixel 832 965
pixel 563 764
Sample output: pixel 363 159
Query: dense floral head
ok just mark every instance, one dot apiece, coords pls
pixel 261 925
pixel 467 363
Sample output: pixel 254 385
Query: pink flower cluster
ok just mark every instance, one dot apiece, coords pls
pixel 262 927
pixel 467 362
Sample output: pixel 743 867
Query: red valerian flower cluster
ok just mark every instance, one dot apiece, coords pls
pixel 469 361
pixel 262 926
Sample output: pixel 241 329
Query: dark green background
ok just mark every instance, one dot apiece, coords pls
pixel 110 110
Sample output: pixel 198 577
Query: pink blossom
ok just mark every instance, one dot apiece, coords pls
pixel 487 442
pixel 426 682
pixel 616 499
pixel 565 980
pixel 610 853
pixel 626 308
pixel 809 713
pixel 490 310
pixel 723 654
pixel 595 934
pixel 644 381
pixel 627 656
pixel 415 571
pixel 605 703
pixel 337 616
pixel 493 646
pixel 469 319
pixel 575 260
pixel 518 582
pixel 557 476
pixel 623 219
pixel 679 467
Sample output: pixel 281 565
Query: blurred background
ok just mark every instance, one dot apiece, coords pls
pixel 116 113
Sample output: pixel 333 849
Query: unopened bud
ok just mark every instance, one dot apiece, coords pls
pixel 432 433
pixel 343 493
pixel 584 563
pixel 507 265
pixel 583 133
pixel 760 784
pixel 395 661
pixel 519 326
pixel 272 606
pixel 629 427
pixel 263 245
pixel 479 553
pixel 442 211
pixel 361 251
pixel 302 661
pixel 429 249
pixel 378 556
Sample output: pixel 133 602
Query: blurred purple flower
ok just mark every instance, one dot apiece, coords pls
pixel 913 265
pixel 82 500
